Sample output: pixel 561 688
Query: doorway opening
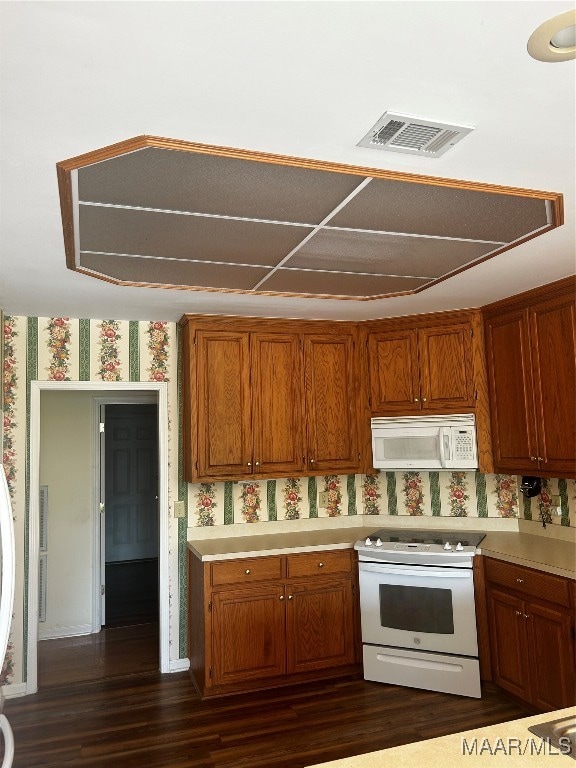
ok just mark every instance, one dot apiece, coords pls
pixel 129 520
pixel 138 609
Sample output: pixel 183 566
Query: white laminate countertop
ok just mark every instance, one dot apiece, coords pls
pixel 545 554
pixel 496 746
pixel 278 543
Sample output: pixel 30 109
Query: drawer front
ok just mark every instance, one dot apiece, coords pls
pixel 546 586
pixel 246 570
pixel 319 563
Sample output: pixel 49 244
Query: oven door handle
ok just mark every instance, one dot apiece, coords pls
pixel 436 573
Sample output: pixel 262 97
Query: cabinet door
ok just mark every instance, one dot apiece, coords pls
pixel 248 634
pixel 508 643
pixel 446 367
pixel 277 404
pixel 223 410
pixel 511 397
pixel 394 380
pixel 551 656
pixel 319 625
pixel 331 404
pixel 553 327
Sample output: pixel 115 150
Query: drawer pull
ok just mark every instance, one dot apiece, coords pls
pixel 520 581
pixel 247 570
pixel 320 565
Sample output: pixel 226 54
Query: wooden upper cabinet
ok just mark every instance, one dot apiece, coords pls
pixel 331 404
pixel 446 369
pixel 531 360
pixel 277 403
pixel 430 367
pixel 223 405
pixel 394 377
pixel 510 386
pixel 264 398
pixel 553 331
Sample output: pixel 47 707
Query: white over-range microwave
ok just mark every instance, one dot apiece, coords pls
pixel 425 442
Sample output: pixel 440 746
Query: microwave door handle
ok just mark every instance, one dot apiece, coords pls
pixel 445 452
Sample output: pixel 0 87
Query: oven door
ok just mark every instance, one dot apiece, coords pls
pixel 418 607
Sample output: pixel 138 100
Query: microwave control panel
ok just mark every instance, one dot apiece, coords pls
pixel 464 448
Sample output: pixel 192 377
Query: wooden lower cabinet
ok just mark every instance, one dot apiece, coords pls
pixel 248 634
pixel 271 621
pixel 531 619
pixel 319 625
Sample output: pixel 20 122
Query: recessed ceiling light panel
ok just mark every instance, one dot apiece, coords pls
pixel 413 135
pixel 554 40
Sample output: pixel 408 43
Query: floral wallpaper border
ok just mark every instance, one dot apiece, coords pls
pixel 415 494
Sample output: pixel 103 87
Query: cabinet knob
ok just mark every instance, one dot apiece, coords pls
pixel 311 461
pixel 526 616
pixel 320 565
pixel 533 458
pixel 249 464
pixel 518 613
pixel 247 570
pixel 281 597
pixel 257 463
pixel 416 400
pixel 290 597
pixel 540 458
pixel 520 581
pixel 424 399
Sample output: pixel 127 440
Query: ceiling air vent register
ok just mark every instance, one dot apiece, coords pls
pixel 413 135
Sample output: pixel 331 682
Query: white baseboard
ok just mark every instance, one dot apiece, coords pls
pixel 16 689
pixel 179 665
pixel 56 632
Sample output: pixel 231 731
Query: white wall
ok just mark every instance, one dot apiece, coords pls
pixel 66 467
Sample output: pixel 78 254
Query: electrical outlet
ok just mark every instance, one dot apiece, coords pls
pixel 179 509
pixel 323 499
pixel 555 504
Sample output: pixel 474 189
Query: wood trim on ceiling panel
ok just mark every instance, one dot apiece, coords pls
pixel 139 142
pixel 65 169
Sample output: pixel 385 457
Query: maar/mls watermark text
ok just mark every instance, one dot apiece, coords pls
pixel 515 746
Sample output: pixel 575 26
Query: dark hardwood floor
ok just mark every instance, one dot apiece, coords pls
pixel 151 720
pixel 109 653
pixel 103 704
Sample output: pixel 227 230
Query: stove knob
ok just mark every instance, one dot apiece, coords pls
pixel 378 542
pixel 368 542
pixel 459 547
pixel 448 546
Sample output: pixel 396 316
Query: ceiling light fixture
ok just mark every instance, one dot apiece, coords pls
pixel 555 39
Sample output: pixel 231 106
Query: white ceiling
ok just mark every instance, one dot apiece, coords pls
pixel 306 79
